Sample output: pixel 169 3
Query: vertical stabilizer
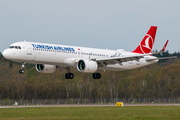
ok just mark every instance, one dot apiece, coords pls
pixel 147 42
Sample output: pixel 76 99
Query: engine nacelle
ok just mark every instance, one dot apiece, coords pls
pixel 45 68
pixel 87 66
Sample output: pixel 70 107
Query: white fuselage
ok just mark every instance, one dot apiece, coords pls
pixel 62 55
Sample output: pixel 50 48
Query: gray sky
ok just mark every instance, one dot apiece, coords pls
pixel 116 24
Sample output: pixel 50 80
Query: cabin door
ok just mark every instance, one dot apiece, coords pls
pixel 29 49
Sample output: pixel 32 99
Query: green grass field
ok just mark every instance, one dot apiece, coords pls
pixel 92 113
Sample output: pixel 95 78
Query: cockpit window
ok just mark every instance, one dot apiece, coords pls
pixel 16 47
pixel 11 47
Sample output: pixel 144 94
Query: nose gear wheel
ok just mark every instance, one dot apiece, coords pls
pixel 21 71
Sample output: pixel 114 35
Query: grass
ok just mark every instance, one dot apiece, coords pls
pixel 92 113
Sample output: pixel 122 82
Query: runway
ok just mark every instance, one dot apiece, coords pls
pixel 84 105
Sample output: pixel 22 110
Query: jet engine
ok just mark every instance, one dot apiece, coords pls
pixel 87 66
pixel 44 68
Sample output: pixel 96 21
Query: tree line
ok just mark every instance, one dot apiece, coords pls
pixel 160 80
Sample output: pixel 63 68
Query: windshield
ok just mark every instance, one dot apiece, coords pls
pixel 15 47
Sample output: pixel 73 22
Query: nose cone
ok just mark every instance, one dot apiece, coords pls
pixel 6 53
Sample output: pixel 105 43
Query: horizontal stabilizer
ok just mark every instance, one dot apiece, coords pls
pixel 167 57
pixel 161 58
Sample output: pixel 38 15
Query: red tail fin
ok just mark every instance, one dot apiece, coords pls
pixel 147 42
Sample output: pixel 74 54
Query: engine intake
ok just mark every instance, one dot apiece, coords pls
pixel 87 66
pixel 44 68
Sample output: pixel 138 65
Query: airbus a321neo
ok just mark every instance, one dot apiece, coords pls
pixel 87 60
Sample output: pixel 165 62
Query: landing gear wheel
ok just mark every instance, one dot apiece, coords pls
pixel 21 71
pixel 69 75
pixel 96 75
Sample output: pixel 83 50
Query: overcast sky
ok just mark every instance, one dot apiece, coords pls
pixel 113 24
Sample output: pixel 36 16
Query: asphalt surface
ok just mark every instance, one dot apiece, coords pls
pixel 84 105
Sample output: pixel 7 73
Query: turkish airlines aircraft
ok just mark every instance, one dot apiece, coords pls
pixel 87 60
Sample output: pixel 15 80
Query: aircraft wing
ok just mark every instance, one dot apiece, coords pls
pixel 163 49
pixel 113 60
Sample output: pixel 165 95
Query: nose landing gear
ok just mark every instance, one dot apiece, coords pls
pixel 21 71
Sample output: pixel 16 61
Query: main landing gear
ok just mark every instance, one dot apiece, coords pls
pixel 96 75
pixel 69 75
pixel 21 71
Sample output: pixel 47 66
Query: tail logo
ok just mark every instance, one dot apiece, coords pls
pixel 147 44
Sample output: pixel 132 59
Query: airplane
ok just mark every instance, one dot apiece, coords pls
pixel 87 60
